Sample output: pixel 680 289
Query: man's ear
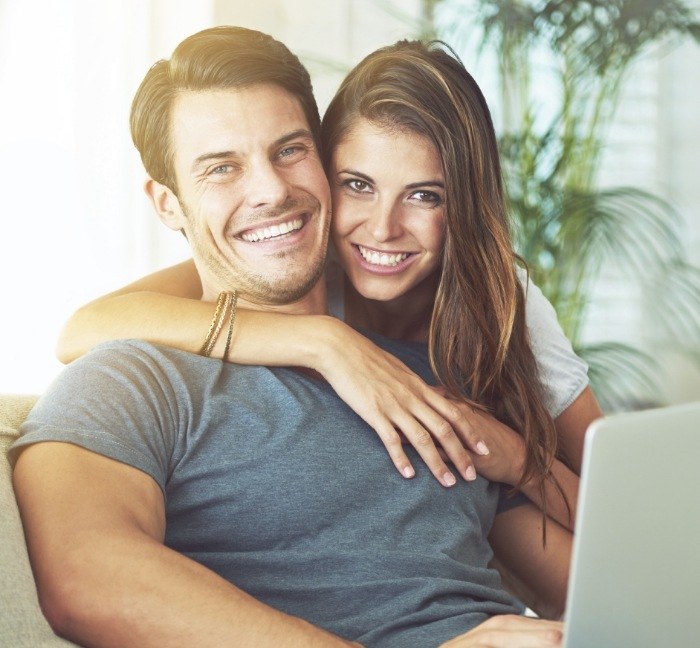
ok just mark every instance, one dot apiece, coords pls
pixel 166 204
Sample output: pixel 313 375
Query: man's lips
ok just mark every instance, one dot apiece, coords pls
pixel 268 232
pixel 380 258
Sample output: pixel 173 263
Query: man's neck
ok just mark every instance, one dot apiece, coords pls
pixel 313 302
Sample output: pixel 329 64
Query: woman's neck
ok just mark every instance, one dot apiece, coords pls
pixel 404 318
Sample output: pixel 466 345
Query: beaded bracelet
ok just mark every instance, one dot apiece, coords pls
pixel 217 322
pixel 232 319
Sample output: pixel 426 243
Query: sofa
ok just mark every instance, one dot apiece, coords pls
pixel 22 625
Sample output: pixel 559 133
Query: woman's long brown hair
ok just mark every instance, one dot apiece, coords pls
pixel 478 341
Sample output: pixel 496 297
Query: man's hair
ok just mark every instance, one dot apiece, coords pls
pixel 212 59
pixel 478 342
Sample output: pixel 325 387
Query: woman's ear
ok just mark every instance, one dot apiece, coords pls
pixel 166 204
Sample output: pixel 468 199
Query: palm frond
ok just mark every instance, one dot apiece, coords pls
pixel 622 377
pixel 676 305
pixel 636 229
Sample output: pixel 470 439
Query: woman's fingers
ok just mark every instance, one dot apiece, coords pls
pixel 425 446
pixel 461 418
pixel 393 443
pixel 415 411
pixel 444 437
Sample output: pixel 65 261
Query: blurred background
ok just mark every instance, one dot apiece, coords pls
pixel 596 104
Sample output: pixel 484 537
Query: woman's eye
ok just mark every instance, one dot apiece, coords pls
pixel 426 197
pixel 359 186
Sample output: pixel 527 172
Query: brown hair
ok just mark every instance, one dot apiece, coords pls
pixel 216 58
pixel 478 340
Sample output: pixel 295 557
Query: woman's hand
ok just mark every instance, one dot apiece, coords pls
pixel 395 401
pixel 505 461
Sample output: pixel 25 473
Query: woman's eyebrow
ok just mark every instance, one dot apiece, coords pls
pixel 426 183
pixel 359 174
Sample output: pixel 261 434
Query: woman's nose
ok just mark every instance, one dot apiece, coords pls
pixel 384 222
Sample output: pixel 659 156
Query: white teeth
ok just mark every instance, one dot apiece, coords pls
pixel 273 231
pixel 382 259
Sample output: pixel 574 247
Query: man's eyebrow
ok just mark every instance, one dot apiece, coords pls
pixel 222 155
pixel 303 133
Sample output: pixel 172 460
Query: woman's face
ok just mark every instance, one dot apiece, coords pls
pixel 388 221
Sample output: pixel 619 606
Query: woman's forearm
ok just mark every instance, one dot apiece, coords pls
pixel 556 506
pixel 258 338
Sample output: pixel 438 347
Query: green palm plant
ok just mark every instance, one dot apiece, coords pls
pixel 565 226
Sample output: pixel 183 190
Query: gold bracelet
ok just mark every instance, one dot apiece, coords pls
pixel 216 324
pixel 232 319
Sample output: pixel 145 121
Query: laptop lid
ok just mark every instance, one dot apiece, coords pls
pixel 635 572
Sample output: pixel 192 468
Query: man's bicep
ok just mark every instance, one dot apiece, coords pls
pixel 538 573
pixel 69 496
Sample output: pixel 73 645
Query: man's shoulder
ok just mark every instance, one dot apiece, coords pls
pixel 132 366
pixel 133 352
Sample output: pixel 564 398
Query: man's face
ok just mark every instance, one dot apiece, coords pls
pixel 253 198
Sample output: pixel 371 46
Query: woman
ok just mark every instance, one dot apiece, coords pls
pixel 421 232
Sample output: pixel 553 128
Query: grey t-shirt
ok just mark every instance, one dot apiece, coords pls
pixel 273 482
pixel 562 374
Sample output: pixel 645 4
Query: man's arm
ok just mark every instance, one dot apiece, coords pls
pixel 95 530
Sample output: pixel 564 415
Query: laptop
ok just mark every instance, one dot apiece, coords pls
pixel 635 571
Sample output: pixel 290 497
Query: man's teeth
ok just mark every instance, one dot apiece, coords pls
pixel 383 259
pixel 273 231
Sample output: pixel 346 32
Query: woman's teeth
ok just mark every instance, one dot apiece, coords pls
pixel 381 258
pixel 273 231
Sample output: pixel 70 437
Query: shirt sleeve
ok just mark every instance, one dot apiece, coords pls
pixel 115 401
pixel 562 373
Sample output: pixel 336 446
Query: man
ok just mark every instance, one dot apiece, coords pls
pixel 173 500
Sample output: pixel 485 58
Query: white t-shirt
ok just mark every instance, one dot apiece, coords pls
pixel 562 373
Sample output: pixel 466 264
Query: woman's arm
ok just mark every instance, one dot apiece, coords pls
pixel 165 308
pixel 572 424
pixel 505 463
pixel 540 571
pixel 562 373
pixel 143 309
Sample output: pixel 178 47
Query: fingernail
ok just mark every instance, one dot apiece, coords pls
pixel 481 448
pixel 408 472
pixel 470 473
pixel 449 479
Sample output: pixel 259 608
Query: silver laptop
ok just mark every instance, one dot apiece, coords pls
pixel 635 573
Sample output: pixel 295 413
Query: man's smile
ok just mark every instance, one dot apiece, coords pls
pixel 272 231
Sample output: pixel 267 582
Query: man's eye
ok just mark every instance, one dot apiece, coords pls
pixel 289 151
pixel 221 169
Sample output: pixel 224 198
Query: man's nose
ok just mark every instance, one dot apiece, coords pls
pixel 267 186
pixel 384 222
